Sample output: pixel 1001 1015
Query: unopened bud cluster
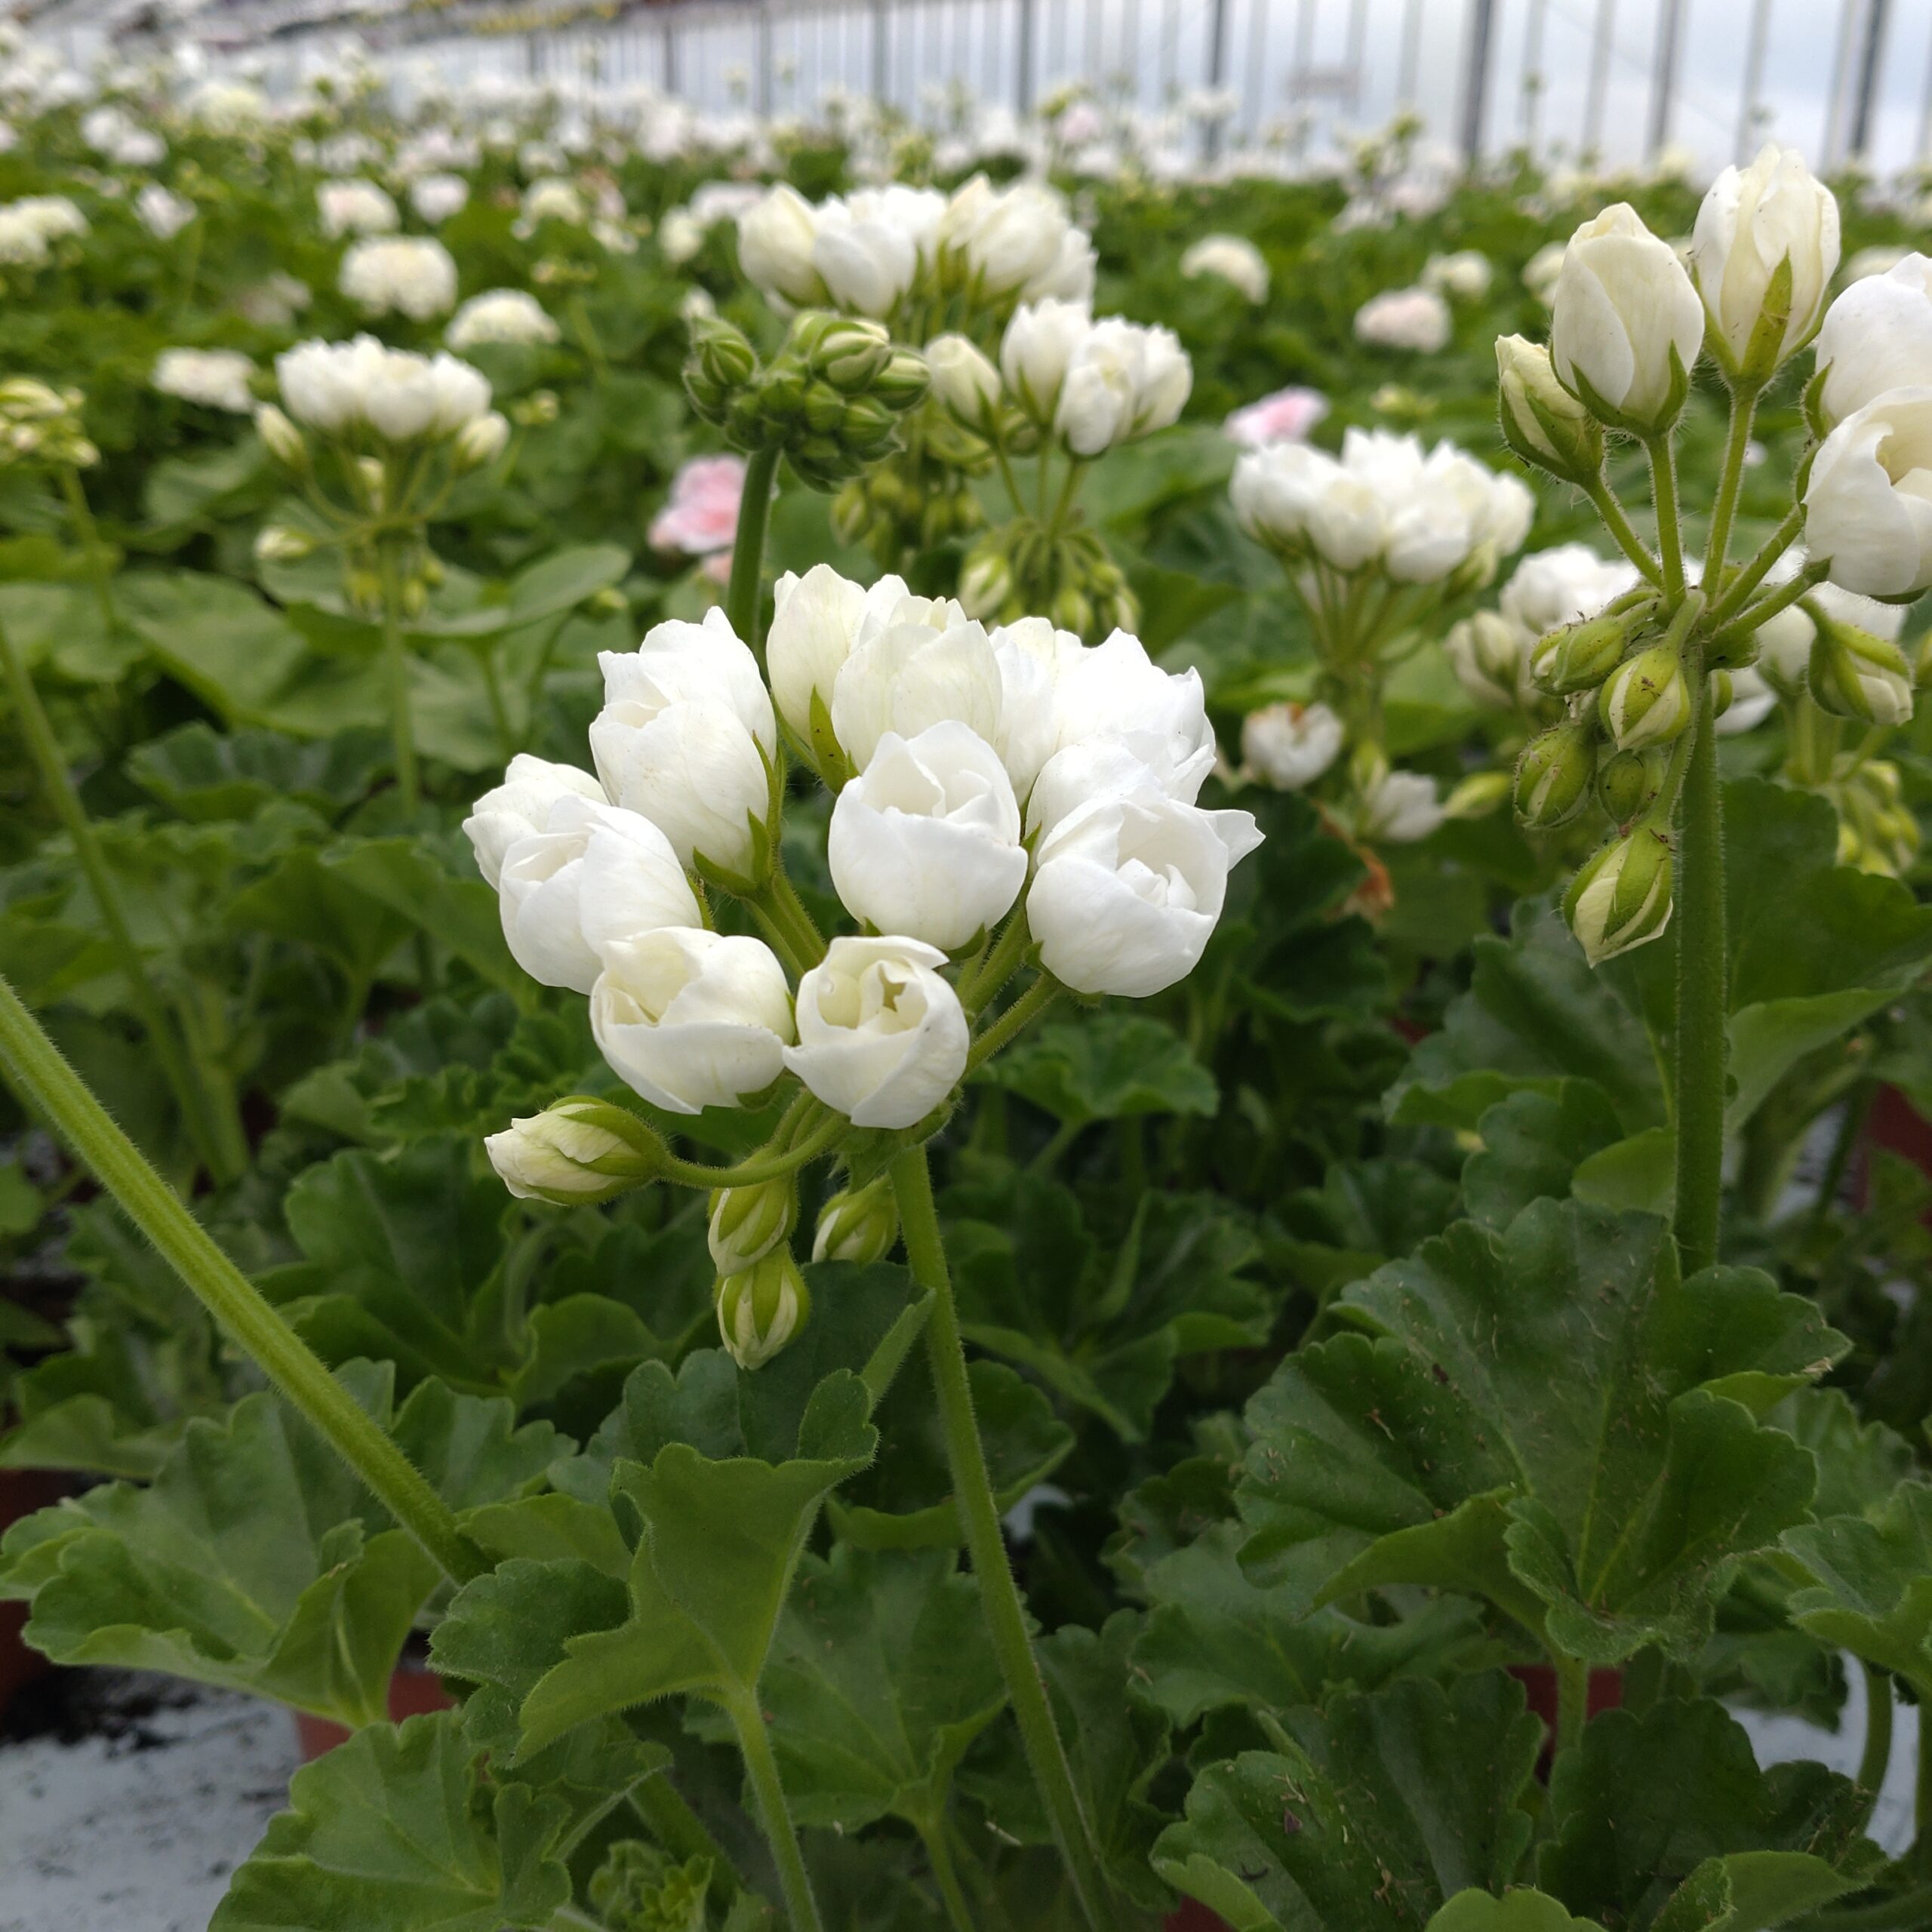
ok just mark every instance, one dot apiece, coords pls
pixel 831 398
pixel 1024 566
pixel 40 424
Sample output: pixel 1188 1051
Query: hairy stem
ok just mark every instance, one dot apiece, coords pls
pixel 212 1128
pixel 1573 1702
pixel 88 534
pixel 1731 483
pixel 1618 524
pixel 972 1488
pixel 52 1085
pixel 395 664
pixel 1670 527
pixel 1876 1757
pixel 1014 1021
pixel 939 1856
pixel 1702 975
pixel 760 1168
pixel 761 1767
pixel 743 597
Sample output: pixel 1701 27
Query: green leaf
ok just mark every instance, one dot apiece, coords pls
pixel 1546 1417
pixel 1518 1911
pixel 719 1540
pixel 1870 1583
pixel 397 1831
pixel 1532 1144
pixel 881 1674
pixel 1108 1065
pixel 1366 1816
pixel 1535 1016
pixel 1860 1463
pixel 1215 1638
pixel 1664 1820
pixel 202 773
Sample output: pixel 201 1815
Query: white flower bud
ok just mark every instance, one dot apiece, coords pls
pixel 926 840
pixel 882 1038
pixel 814 623
pixel 924 663
pixel 578 1153
pixel 1489 654
pixel 691 1018
pixel 1122 380
pixel 1234 259
pixel 1039 343
pixel 1622 897
pixel 280 544
pixel 1763 252
pixel 1542 421
pixel 1646 700
pixel 1876 336
pixel 1290 745
pixel 1858 675
pixel 1627 324
pixel 1400 807
pixel 479 443
pixel 775 238
pixel 286 443
pixel 761 1309
pixel 858 1225
pixel 965 380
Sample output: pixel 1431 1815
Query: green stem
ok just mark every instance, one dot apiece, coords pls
pixel 1670 527
pixel 681 1832
pixel 1014 1021
pixel 1910 1912
pixel 939 1856
pixel 806 938
pixel 1876 1758
pixel 1724 608
pixel 1922 1796
pixel 395 660
pixel 53 1086
pixel 743 597
pixel 972 1488
pixel 218 1141
pixel 500 718
pixel 1731 483
pixel 89 534
pixel 761 1767
pixel 1802 585
pixel 998 966
pixel 1619 525
pixel 1573 1702
pixel 1702 979
pixel 775 1166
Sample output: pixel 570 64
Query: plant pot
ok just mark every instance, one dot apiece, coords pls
pixel 1193 1916
pixel 415 1691
pixel 22 1492
pixel 1606 1693
pixel 1895 1124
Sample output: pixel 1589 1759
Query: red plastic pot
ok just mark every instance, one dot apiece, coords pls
pixel 1895 1124
pixel 415 1691
pixel 1606 1693
pixel 1193 1916
pixel 22 1492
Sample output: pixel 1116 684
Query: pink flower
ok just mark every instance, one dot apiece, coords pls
pixel 1286 417
pixel 702 517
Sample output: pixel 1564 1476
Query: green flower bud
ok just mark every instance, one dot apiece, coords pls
pixel 1542 421
pixel 848 351
pixel 1856 675
pixel 1553 774
pixel 748 1223
pixel 278 544
pixel 576 1153
pixel 761 1309
pixel 1627 781
pixel 1622 897
pixel 985 582
pixel 1477 795
pixel 903 381
pixel 1578 657
pixel 865 423
pixel 1645 700
pixel 859 1224
pixel 722 354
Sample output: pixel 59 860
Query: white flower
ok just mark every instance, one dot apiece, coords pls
pixel 1627 324
pixel 355 208
pixel 164 215
pixel 1876 337
pixel 1402 808
pixel 579 1150
pixel 1290 745
pixel 1465 274
pixel 339 387
pixel 882 1038
pixel 1123 380
pixel 1751 700
pixel 594 876
pixel 691 1018
pixel 1753 218
pixel 686 736
pixel 775 238
pixel 1490 653
pixel 554 200
pixel 1128 888
pixel 869 248
pixel 216 378
pixel 1017 241
pixel 436 197
pixel 1564 585
pixel 521 805
pixel 411 274
pixel 1415 318
pixel 1040 341
pixel 502 315
pixel 1232 258
pixel 1879 260
pixel 1116 690
pixel 1541 271
pixel 925 841
pixel 1868 501
pixel 912 666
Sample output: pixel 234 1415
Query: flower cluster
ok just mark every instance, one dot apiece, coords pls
pixel 31 227
pixel 40 424
pixel 406 274
pixel 501 315
pixel 999 795
pixel 215 378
